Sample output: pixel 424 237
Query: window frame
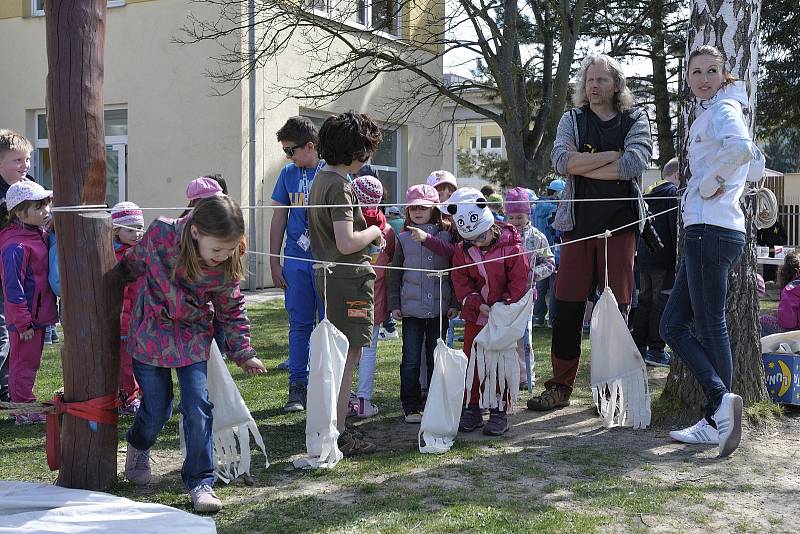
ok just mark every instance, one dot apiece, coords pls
pixel 118 143
pixel 331 8
pixel 398 154
pixel 36 11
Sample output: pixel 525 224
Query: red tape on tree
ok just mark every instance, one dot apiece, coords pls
pixel 100 409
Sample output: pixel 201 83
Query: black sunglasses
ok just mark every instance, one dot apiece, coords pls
pixel 289 150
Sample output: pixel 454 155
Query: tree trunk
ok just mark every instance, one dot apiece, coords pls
pixel 731 26
pixel 570 23
pixel 91 297
pixel 666 148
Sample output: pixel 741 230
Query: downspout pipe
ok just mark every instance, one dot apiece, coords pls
pixel 251 58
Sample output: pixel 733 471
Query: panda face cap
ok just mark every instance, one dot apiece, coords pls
pixel 471 215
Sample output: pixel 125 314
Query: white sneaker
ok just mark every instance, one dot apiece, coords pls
pixel 700 432
pixel 366 408
pixel 383 335
pixel 728 418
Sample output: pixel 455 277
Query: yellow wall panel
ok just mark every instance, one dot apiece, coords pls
pixel 11 8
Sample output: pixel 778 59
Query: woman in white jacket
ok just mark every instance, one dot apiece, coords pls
pixel 721 153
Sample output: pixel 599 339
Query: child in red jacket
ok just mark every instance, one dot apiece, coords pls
pixel 479 285
pixel 30 304
pixel 128 230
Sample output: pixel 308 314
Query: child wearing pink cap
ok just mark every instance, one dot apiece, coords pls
pixel 541 259
pixel 128 221
pixel 30 305
pixel 413 296
pixel 201 187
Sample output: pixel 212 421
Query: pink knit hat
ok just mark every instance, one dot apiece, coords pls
pixel 368 190
pixel 517 201
pixel 203 187
pixel 127 214
pixel 422 195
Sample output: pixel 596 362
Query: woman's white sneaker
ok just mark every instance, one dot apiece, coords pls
pixel 728 419
pixel 700 432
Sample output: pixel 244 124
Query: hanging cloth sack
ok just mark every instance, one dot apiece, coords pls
pixel 232 422
pixel 439 424
pixel 328 353
pixel 619 376
pixel 494 352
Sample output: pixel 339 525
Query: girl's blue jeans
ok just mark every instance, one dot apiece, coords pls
pixel 156 409
pixel 698 300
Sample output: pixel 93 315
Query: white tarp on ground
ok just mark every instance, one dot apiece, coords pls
pixel 32 508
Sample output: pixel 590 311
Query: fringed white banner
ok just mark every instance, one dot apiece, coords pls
pixel 619 375
pixel 494 352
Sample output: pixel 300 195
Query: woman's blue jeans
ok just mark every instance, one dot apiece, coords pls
pixel 156 409
pixel 698 300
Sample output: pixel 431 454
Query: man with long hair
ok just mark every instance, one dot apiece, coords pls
pixel 602 146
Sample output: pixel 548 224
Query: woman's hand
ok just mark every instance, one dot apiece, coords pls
pixel 253 366
pixel 485 309
pixel 26 335
pixel 452 313
pixel 397 314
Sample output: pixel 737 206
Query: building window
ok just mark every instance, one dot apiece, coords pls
pixel 380 15
pixel 474 139
pixel 37 6
pixel 116 125
pixel 386 160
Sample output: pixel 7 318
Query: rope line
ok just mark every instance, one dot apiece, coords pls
pixel 103 207
pixel 448 270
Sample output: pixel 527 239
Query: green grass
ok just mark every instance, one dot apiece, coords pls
pixel 479 486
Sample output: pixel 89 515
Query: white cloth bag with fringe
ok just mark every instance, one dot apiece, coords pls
pixel 328 353
pixel 619 375
pixel 439 424
pixel 232 425
pixel 494 352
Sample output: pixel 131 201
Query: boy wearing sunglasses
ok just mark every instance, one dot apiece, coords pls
pixel 299 140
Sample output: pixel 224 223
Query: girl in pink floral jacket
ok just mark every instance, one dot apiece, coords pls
pixel 191 269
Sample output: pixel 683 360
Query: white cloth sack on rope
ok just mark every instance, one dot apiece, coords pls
pixel 494 352
pixel 619 375
pixel 44 508
pixel 439 424
pixel 328 354
pixel 232 422
pixel 786 342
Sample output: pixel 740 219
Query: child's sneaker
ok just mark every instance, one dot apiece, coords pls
pixel 29 419
pixel 383 334
pixel 413 418
pixel 471 418
pixel 204 499
pixel 700 432
pixel 131 408
pixel 728 419
pixel 352 444
pixel 366 408
pixel 54 335
pixel 498 423
pixel 137 465
pixel 283 366
pixel 657 358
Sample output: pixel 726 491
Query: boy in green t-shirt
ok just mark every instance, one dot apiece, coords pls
pixel 340 234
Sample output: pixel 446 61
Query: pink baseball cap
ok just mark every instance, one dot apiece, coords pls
pixel 517 201
pixel 438 178
pixel 203 187
pixel 422 195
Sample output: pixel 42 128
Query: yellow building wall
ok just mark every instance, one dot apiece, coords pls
pixel 177 129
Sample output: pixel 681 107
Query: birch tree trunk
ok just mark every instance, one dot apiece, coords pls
pixel 732 27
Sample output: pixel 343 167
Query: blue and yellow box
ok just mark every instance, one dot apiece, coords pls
pixel 783 377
